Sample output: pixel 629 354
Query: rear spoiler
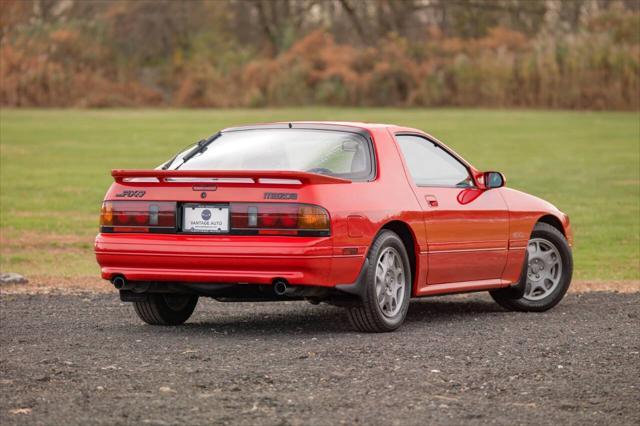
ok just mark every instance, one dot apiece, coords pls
pixel 257 176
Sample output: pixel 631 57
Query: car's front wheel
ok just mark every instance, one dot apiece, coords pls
pixel 548 273
pixel 385 299
pixel 166 309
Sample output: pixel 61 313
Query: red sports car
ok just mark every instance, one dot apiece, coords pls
pixel 359 215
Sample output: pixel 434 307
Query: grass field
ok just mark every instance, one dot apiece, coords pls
pixel 55 169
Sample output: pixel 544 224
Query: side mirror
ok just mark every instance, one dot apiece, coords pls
pixel 494 180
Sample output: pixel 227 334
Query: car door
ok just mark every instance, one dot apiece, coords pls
pixel 467 227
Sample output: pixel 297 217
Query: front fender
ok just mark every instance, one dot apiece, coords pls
pixel 525 210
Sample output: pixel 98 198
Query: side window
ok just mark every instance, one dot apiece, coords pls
pixel 430 165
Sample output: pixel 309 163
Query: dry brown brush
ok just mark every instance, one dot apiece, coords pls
pixel 596 67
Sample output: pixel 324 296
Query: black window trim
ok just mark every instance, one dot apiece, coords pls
pixel 440 146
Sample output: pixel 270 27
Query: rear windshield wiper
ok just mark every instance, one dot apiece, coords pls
pixel 200 147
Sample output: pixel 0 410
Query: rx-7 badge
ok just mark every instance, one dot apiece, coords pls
pixel 131 194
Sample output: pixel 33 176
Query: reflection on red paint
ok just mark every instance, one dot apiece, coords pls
pixel 468 195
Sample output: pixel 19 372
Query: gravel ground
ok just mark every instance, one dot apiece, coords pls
pixel 69 359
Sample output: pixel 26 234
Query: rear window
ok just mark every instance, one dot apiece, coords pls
pixel 334 153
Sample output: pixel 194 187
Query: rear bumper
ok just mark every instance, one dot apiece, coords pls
pixel 226 259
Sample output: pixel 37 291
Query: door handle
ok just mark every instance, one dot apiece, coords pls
pixel 431 200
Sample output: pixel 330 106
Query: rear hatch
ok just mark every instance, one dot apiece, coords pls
pixel 243 181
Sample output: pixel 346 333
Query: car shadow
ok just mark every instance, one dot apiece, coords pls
pixel 445 309
pixel 324 319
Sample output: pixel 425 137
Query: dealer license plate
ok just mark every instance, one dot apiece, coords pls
pixel 205 218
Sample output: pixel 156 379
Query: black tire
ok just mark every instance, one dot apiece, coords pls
pixel 508 299
pixel 367 316
pixel 166 309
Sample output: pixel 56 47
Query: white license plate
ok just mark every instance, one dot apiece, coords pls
pixel 205 218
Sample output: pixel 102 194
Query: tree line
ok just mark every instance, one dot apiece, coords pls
pixel 582 54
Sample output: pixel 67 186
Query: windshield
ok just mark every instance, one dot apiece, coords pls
pixel 328 152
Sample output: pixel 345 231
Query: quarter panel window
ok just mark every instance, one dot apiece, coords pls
pixel 431 165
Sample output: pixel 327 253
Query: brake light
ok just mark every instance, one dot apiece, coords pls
pixel 246 218
pixel 279 219
pixel 137 216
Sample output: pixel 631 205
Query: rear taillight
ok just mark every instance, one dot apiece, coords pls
pixel 279 219
pixel 246 218
pixel 138 216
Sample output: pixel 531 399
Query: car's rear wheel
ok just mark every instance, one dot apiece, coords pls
pixel 548 274
pixel 385 298
pixel 166 309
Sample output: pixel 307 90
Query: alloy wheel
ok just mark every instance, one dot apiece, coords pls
pixel 544 269
pixel 390 282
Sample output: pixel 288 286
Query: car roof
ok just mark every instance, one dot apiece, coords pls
pixel 336 125
pixel 347 126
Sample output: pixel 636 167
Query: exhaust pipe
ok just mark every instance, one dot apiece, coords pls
pixel 280 287
pixel 119 282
